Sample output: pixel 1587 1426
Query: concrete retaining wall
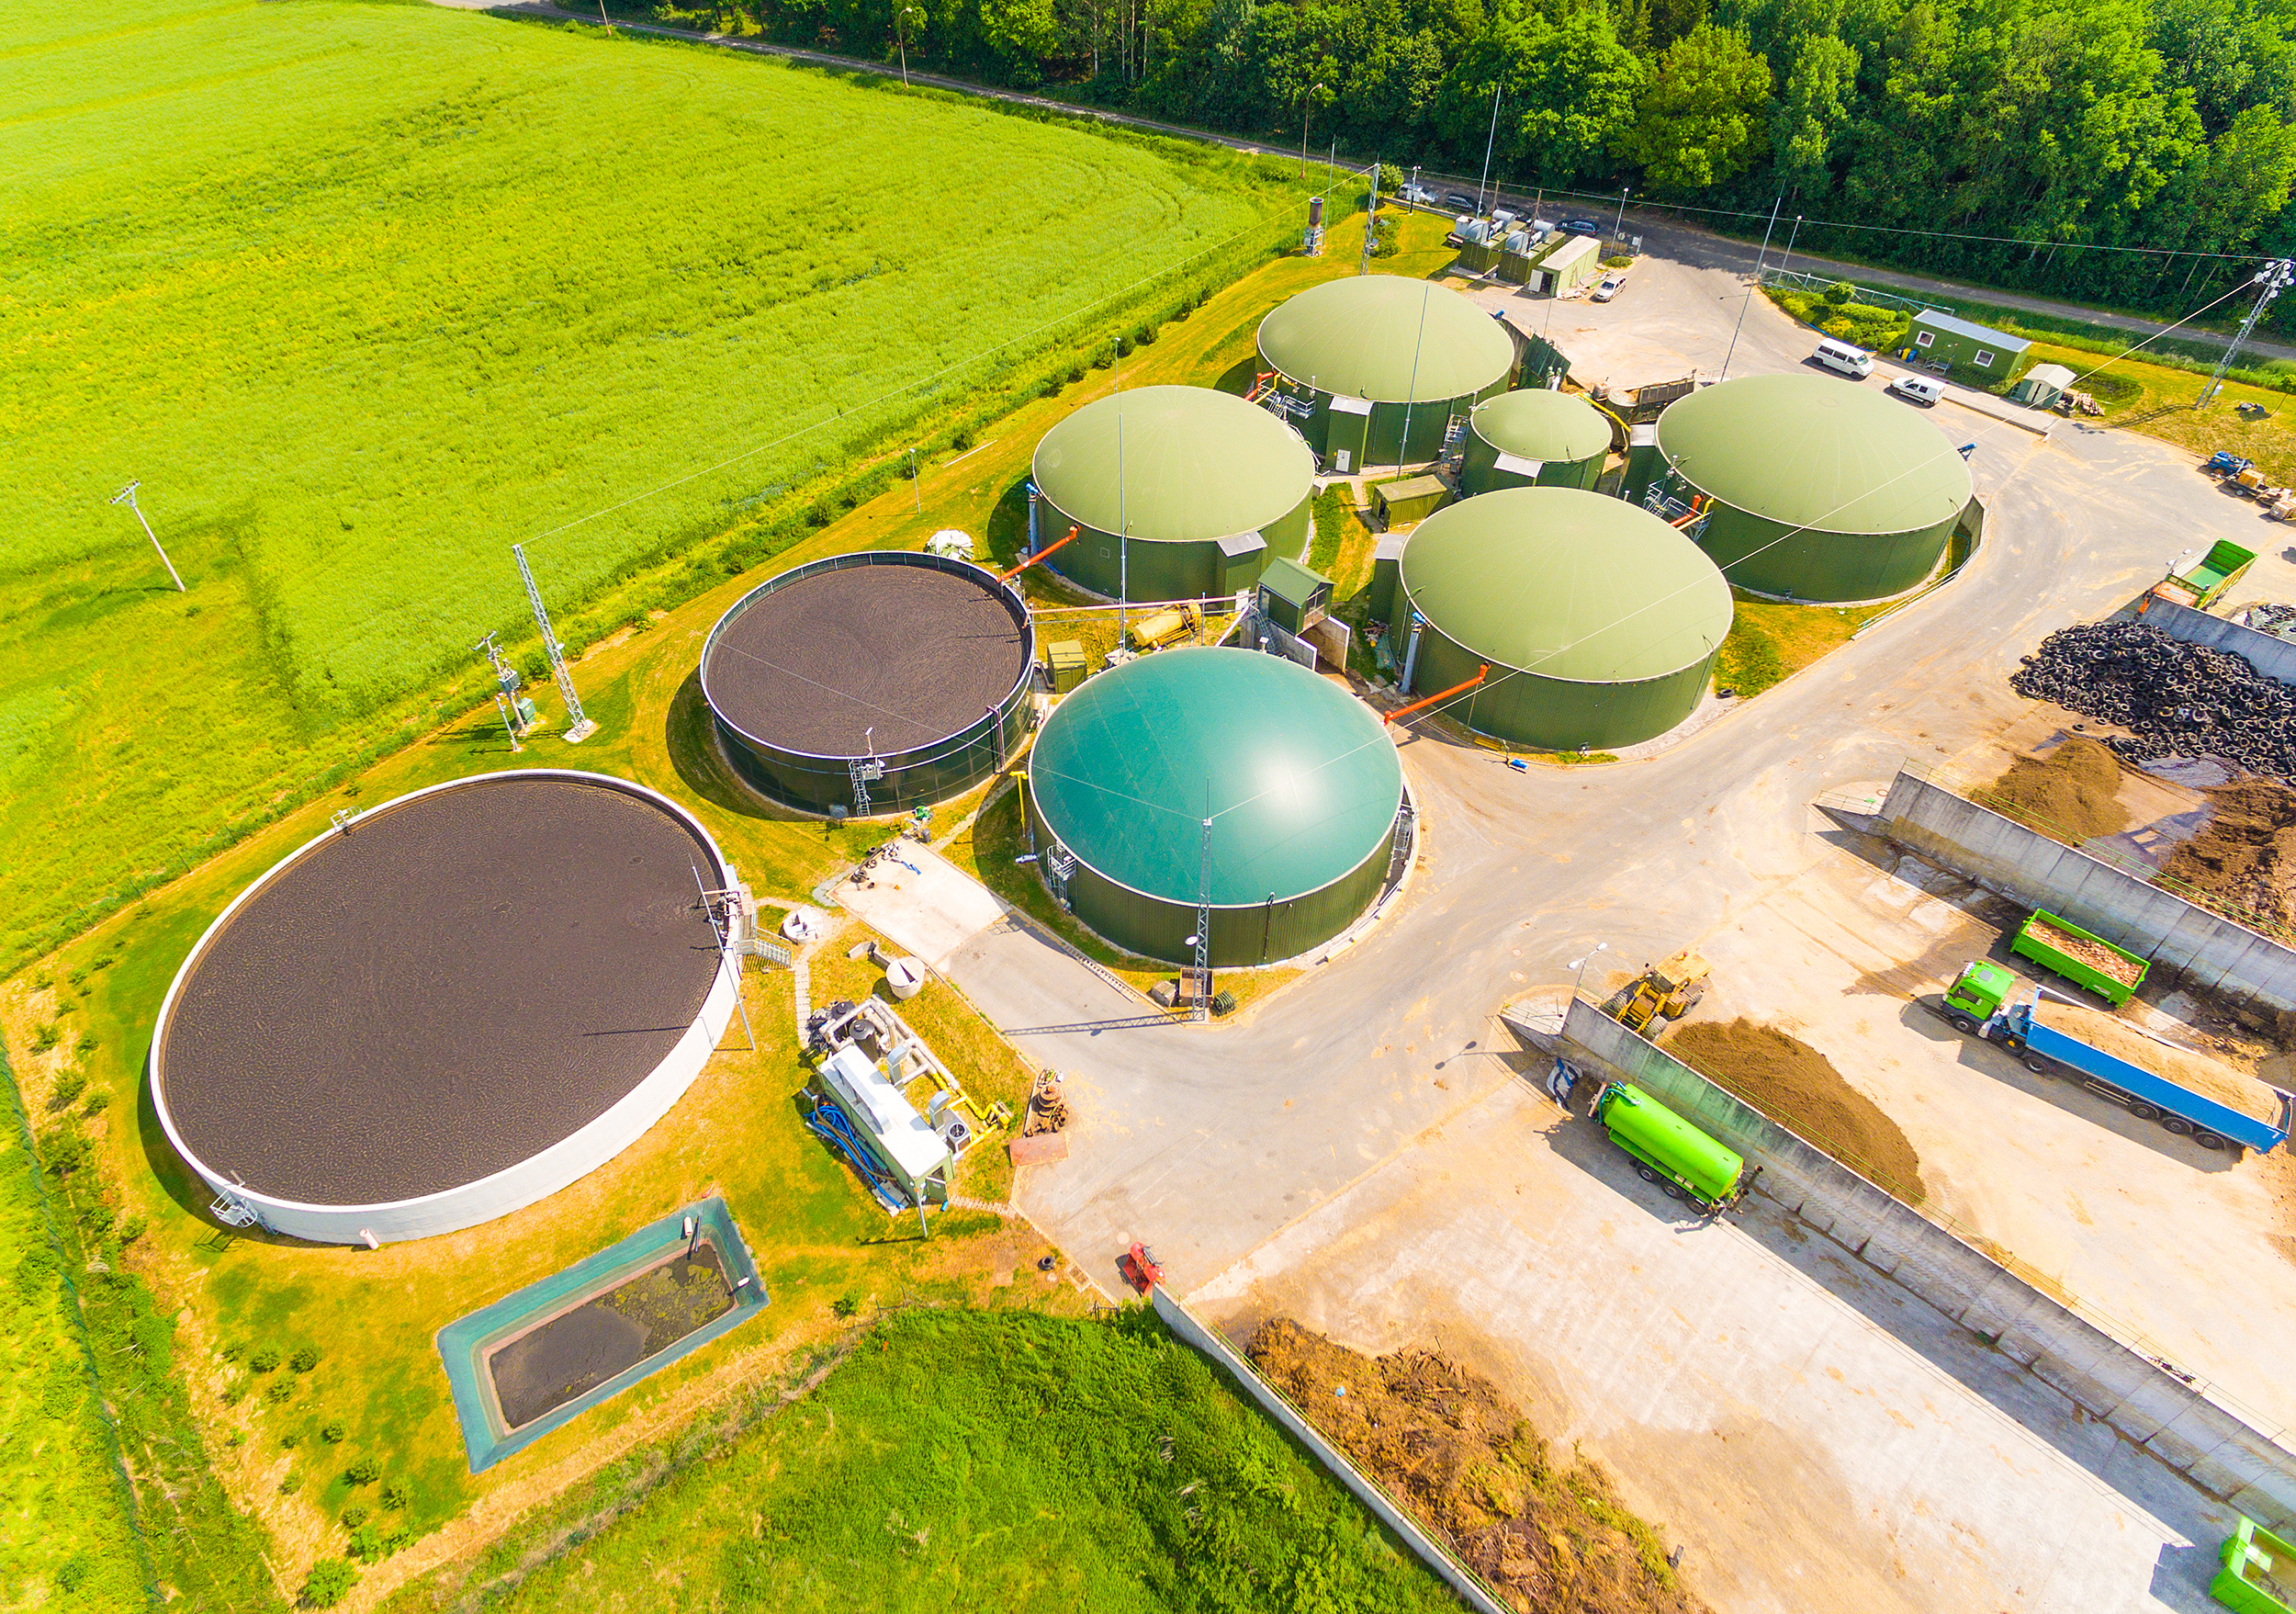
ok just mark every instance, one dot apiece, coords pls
pixel 2179 1423
pixel 2275 658
pixel 1206 1339
pixel 2204 950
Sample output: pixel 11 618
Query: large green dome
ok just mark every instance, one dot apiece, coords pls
pixel 1387 339
pixel 1300 779
pixel 1566 584
pixel 1542 424
pixel 1817 454
pixel 1196 464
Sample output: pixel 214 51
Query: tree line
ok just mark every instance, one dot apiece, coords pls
pixel 2005 138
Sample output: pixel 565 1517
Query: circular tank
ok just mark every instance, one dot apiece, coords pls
pixel 447 1008
pixel 903 675
pixel 1824 490
pixel 1379 360
pixel 1302 787
pixel 1210 487
pixel 1541 438
pixel 1598 621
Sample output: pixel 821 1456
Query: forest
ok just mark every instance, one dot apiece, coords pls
pixel 2131 152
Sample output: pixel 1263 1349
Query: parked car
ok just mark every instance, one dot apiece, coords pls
pixel 1920 389
pixel 1461 200
pixel 1583 226
pixel 1608 288
pixel 1418 196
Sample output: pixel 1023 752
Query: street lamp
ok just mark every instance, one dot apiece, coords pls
pixel 1616 230
pixel 1490 140
pixel 901 29
pixel 127 496
pixel 1307 105
pixel 1580 964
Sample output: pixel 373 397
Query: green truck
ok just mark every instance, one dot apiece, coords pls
pixel 1685 1162
pixel 2201 584
pixel 2063 948
pixel 2259 1572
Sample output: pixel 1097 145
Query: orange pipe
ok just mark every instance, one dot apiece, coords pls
pixel 1441 694
pixel 1032 560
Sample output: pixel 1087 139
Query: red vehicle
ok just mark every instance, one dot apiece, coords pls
pixel 1139 1268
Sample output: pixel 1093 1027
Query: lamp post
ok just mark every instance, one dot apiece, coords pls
pixel 127 496
pixel 1306 107
pixel 901 29
pixel 1490 140
pixel 1580 964
pixel 1616 228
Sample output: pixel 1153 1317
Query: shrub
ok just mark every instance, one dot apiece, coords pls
pixel 305 1359
pixel 47 1037
pixel 264 1358
pixel 97 1102
pixel 354 1516
pixel 1123 346
pixel 292 1484
pixel 71 1574
pixel 332 1431
pixel 1144 337
pixel 87 1045
pixel 130 1230
pixel 233 1349
pixel 844 1305
pixel 1842 291
pixel 330 1581
pixel 235 1438
pixel 963 440
pixel 291 1439
pixel 279 1390
pixel 364 1471
pixel 69 1086
pixel 395 1494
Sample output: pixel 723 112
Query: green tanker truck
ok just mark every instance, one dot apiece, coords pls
pixel 1685 1162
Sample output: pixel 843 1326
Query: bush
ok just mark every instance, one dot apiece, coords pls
pixel 69 1086
pixel 1842 291
pixel 329 1582
pixel 279 1390
pixel 264 1358
pixel 354 1516
pixel 1391 178
pixel 71 1574
pixel 332 1431
pixel 130 1230
pixel 395 1494
pixel 844 1305
pixel 87 1045
pixel 97 1102
pixel 233 1349
pixel 305 1359
pixel 366 1471
pixel 292 1484
pixel 47 1037
pixel 291 1439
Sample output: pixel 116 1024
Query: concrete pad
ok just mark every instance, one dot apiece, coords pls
pixel 923 903
pixel 1813 1436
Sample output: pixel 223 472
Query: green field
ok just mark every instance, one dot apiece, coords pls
pixel 1002 1461
pixel 364 293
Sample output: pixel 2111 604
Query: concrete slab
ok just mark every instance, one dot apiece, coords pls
pixel 1813 1436
pixel 923 903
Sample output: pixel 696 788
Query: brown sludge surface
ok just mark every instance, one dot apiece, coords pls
pixel 2097 956
pixel 2212 1078
pixel 1797 1086
pixel 1548 1534
pixel 2245 853
pixel 2071 791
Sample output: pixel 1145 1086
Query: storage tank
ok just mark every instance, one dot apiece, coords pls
pixel 1543 437
pixel 1300 783
pixel 872 683
pixel 1824 491
pixel 1374 357
pixel 1599 622
pixel 1672 1149
pixel 1203 487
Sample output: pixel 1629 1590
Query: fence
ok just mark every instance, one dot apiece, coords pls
pixel 1866 293
pixel 2183 1423
pixel 2130 907
pixel 1368 1491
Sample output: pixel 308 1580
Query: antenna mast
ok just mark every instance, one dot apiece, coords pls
pixel 578 726
pixel 1203 919
pixel 127 496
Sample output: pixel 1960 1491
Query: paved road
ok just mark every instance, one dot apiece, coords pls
pixel 1661 232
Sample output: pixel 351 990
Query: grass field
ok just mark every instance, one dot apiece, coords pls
pixel 996 1460
pixel 493 281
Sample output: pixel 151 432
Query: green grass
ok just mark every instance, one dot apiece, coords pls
pixel 994 1460
pixel 1770 640
pixel 490 282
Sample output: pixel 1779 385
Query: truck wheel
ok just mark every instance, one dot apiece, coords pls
pixel 2016 1045
pixel 1646 1174
pixel 1961 1022
pixel 2036 1063
pixel 2180 1125
pixel 2143 1111
pixel 1672 1191
pixel 2208 1140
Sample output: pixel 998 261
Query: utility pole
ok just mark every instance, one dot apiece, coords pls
pixel 127 496
pixel 1411 197
pixel 901 31
pixel 1370 220
pixel 918 492
pixel 1307 107
pixel 2270 281
pixel 578 726
pixel 1203 938
pixel 1490 140
pixel 1749 287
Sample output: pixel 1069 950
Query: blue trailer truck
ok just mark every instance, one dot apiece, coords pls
pixel 1979 1002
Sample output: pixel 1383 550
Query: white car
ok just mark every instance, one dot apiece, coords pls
pixel 1608 288
pixel 1922 390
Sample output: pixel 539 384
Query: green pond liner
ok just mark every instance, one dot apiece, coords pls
pixel 466 1345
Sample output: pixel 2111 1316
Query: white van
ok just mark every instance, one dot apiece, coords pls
pixel 1840 355
pixel 1923 390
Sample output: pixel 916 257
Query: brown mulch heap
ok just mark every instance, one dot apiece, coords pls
pixel 2097 956
pixel 1548 1536
pixel 1797 1086
pixel 2245 853
pixel 2071 791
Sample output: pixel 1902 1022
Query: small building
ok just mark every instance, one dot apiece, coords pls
pixel 1939 337
pixel 1387 559
pixel 1577 261
pixel 2040 387
pixel 1413 498
pixel 1292 597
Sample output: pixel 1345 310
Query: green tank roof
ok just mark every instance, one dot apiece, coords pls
pixel 1566 584
pixel 1301 782
pixel 1815 452
pixel 1387 339
pixel 1542 424
pixel 1197 464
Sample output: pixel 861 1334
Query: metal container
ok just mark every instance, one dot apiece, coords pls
pixel 1668 1145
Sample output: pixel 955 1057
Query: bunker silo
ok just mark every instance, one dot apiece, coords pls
pixel 1823 490
pixel 1599 622
pixel 1541 438
pixel 1301 788
pixel 1375 358
pixel 1203 487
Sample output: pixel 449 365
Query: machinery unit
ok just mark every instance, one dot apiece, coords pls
pixel 1669 1151
pixel 1167 626
pixel 1664 991
pixel 870 1060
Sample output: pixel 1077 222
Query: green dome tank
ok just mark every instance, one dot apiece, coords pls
pixel 1540 437
pixel 1824 490
pixel 1300 779
pixel 1599 622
